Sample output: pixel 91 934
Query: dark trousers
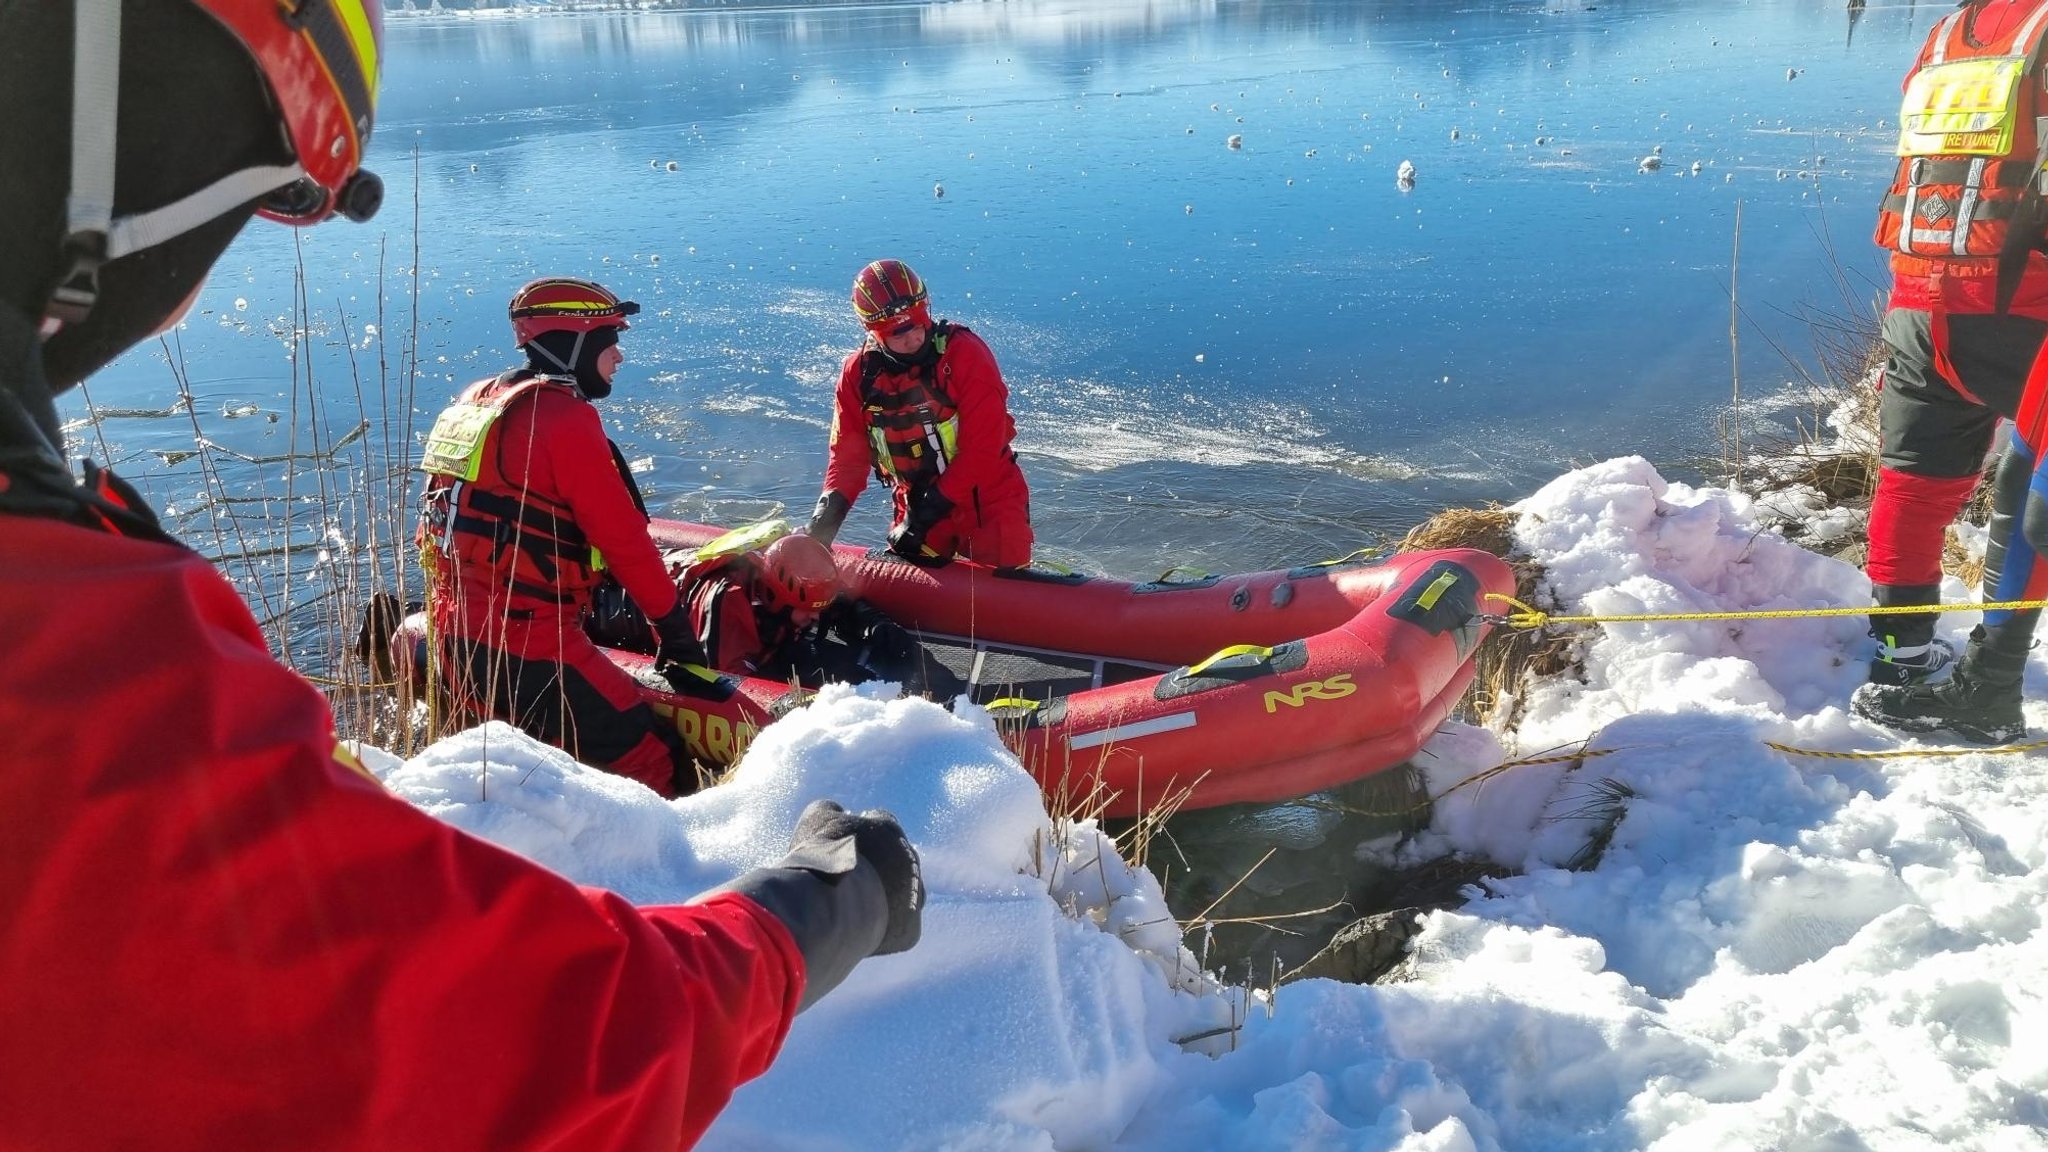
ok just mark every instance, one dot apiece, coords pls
pixel 1946 383
pixel 581 703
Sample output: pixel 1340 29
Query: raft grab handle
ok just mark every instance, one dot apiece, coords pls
pixel 1265 656
pixel 1233 665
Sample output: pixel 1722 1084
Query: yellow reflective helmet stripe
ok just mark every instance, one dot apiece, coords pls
pixel 355 22
pixel 575 306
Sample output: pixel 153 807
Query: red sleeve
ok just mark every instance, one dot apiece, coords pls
pixel 215 933
pixel 589 484
pixel 850 458
pixel 983 403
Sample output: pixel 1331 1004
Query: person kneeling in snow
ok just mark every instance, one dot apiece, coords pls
pixel 212 921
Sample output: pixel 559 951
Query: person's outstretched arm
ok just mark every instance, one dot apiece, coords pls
pixel 215 932
pixel 583 471
pixel 849 455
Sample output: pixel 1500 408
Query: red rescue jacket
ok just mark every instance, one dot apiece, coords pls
pixel 895 422
pixel 1944 218
pixel 736 636
pixel 514 543
pixel 215 932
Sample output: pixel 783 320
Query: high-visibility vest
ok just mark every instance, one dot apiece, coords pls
pixel 1969 140
pixel 476 529
pixel 914 431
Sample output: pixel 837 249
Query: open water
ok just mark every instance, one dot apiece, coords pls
pixel 1230 355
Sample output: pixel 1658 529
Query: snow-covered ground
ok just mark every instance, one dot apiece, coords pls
pixel 1774 951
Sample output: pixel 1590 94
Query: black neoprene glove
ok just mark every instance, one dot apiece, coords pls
pixel 887 642
pixel 679 643
pixel 827 516
pixel 927 508
pixel 849 888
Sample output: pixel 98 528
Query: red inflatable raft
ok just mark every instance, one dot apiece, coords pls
pixel 1218 690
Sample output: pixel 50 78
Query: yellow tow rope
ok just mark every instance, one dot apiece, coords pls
pixel 1528 617
pixel 1905 753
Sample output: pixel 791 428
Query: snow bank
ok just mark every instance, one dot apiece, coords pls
pixel 1049 990
pixel 1773 951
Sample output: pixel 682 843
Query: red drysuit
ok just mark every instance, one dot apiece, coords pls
pixel 514 546
pixel 214 934
pixel 903 407
pixel 723 615
pixel 1952 372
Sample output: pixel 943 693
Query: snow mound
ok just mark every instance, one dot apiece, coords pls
pixel 1772 951
pixel 1048 994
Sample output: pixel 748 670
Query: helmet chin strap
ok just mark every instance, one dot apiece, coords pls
pixel 593 388
pixel 568 367
pixel 94 236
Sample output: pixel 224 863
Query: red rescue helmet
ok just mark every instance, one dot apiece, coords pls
pixel 565 304
pixel 321 62
pixel 798 574
pixel 886 290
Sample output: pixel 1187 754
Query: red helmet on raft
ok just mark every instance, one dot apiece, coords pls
pixel 887 291
pixel 797 574
pixel 566 304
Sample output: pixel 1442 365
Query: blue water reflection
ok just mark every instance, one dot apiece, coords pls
pixel 1226 356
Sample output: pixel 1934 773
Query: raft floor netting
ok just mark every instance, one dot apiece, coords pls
pixel 998 671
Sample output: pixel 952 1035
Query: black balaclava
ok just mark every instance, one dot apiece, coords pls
pixel 192 108
pixel 927 353
pixel 551 352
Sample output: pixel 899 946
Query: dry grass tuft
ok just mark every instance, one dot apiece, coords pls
pixel 1844 464
pixel 1509 656
pixel 1602 803
pixel 1844 477
pixel 1488 529
pixel 1957 560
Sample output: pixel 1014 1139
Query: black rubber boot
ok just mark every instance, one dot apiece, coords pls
pixel 1980 702
pixel 1907 650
